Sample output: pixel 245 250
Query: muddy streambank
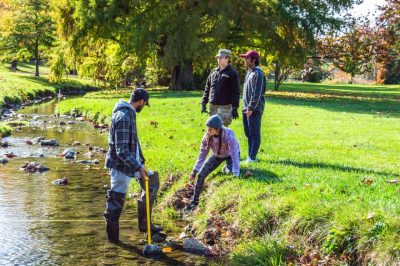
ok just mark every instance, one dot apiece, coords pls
pixel 49 223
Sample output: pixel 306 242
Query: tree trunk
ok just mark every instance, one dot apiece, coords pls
pixel 14 65
pixel 352 79
pixel 37 56
pixel 277 75
pixel 182 77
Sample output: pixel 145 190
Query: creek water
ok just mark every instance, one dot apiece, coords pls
pixel 45 224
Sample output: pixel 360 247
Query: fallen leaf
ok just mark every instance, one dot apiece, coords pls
pixel 367 181
pixel 248 174
pixel 370 215
pixel 167 249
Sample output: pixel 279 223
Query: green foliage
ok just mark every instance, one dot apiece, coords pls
pixel 269 250
pixel 5 130
pixel 27 31
pixel 184 35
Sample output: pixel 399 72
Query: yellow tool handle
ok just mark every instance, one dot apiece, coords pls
pixel 146 180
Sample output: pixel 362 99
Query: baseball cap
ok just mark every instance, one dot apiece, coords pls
pixel 251 53
pixel 224 53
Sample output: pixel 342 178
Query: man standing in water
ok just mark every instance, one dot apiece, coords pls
pixel 125 161
pixel 253 103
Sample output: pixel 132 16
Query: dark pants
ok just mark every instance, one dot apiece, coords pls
pixel 210 165
pixel 252 130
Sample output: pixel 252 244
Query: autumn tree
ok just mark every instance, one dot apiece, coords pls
pixel 387 42
pixel 27 30
pixel 183 35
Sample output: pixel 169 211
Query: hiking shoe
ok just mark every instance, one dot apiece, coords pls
pixel 249 161
pixel 226 170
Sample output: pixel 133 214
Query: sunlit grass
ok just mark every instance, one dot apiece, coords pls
pixel 20 86
pixel 321 180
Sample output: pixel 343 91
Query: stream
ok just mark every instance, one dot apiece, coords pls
pixel 46 224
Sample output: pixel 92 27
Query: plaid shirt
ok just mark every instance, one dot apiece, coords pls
pixel 123 141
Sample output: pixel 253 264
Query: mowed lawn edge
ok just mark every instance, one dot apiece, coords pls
pixel 326 181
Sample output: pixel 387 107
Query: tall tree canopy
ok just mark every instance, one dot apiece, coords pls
pixel 26 30
pixel 184 33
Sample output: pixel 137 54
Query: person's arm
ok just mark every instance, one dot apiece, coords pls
pixel 206 93
pixel 235 90
pixel 234 149
pixel 204 149
pixel 121 144
pixel 256 89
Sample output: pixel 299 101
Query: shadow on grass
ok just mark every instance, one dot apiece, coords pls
pixel 259 175
pixel 45 82
pixel 344 89
pixel 333 167
pixel 380 108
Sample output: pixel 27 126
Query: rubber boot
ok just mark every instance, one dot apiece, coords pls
pixel 114 204
pixel 154 184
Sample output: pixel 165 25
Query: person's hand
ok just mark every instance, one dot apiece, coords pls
pixel 203 108
pixel 234 113
pixel 142 173
pixel 249 112
pixel 192 175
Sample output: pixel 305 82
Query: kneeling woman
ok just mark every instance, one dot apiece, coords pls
pixel 225 147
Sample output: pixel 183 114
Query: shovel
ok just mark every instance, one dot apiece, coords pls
pixel 149 249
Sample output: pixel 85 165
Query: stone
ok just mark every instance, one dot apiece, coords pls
pixel 66 151
pixel 4 144
pixel 61 182
pixel 76 143
pixel 158 238
pixel 42 168
pixel 193 245
pixel 51 142
pixel 69 155
pixel 152 250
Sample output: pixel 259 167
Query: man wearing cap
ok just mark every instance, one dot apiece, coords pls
pixel 222 89
pixel 125 161
pixel 253 103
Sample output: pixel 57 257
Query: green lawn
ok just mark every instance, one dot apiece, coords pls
pixel 19 86
pixel 321 182
pixel 361 91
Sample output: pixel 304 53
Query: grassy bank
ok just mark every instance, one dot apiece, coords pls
pixel 5 130
pixel 22 85
pixel 320 190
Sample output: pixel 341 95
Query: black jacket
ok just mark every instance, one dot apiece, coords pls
pixel 222 87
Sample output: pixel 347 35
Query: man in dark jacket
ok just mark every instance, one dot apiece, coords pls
pixel 253 103
pixel 222 89
pixel 125 161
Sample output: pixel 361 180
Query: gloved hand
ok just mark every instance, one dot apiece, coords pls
pixel 234 113
pixel 192 175
pixel 203 109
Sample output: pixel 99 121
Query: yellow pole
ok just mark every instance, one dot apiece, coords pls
pixel 146 180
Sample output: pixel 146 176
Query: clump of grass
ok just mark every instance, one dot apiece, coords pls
pixel 5 130
pixel 270 250
pixel 17 123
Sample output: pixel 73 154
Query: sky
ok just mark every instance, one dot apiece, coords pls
pixel 367 5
